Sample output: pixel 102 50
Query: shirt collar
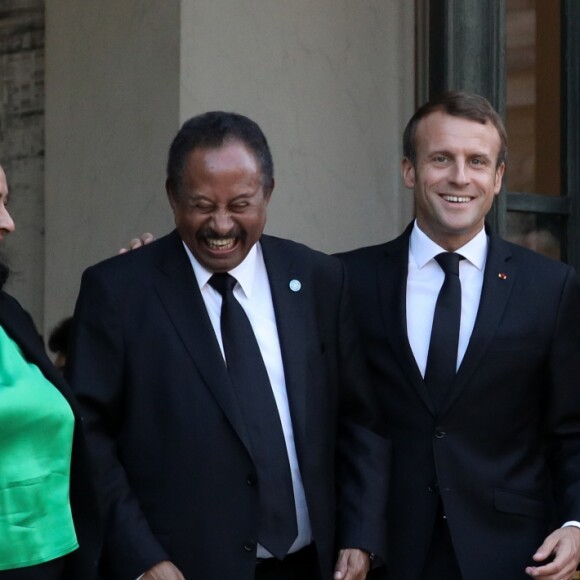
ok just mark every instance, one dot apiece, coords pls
pixel 244 273
pixel 423 249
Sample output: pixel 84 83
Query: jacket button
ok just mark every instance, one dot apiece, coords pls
pixel 250 546
pixel 433 487
pixel 251 480
pixel 440 434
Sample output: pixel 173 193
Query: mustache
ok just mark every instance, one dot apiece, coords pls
pixel 209 233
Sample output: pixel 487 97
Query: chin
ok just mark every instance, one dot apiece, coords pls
pixel 222 265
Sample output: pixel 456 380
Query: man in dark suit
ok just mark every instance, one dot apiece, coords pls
pixel 194 481
pixel 485 473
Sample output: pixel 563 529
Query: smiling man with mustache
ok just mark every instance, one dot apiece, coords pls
pixel 213 464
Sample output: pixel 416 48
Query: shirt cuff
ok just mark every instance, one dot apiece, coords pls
pixel 572 523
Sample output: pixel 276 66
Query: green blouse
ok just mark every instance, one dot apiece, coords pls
pixel 36 431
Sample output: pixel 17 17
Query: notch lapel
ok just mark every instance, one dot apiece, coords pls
pixel 292 317
pixel 23 333
pixel 498 282
pixel 20 327
pixel 179 292
pixel 392 289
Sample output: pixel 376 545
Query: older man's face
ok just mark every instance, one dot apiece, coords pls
pixel 220 209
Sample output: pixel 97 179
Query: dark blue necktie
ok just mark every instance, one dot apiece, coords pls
pixel 442 357
pixel 277 528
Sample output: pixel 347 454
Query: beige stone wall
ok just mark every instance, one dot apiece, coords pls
pixel 112 104
pixel 330 82
pixel 22 146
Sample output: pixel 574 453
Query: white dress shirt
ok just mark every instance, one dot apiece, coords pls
pixel 424 281
pixel 253 292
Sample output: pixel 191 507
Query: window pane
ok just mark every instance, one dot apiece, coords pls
pixel 543 233
pixel 533 96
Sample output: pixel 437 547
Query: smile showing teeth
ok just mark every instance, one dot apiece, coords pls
pixel 221 243
pixel 456 199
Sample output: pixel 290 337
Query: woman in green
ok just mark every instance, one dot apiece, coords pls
pixel 48 513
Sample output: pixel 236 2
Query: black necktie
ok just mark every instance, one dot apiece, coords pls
pixel 442 357
pixel 277 528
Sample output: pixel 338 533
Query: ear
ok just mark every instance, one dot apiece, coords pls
pixel 498 178
pixel 268 191
pixel 171 193
pixel 408 173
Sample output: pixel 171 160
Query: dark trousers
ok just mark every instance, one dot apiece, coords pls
pixel 441 563
pixel 52 570
pixel 301 565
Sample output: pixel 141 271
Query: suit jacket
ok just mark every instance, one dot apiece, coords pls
pixel 171 450
pixel 82 563
pixel 503 454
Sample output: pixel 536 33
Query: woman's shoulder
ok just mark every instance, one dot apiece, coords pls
pixel 8 301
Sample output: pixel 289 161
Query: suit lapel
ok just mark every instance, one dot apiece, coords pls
pixel 392 288
pixel 22 332
pixel 498 280
pixel 291 316
pixel 21 329
pixel 179 292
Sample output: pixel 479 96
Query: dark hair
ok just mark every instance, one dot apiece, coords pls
pixel 457 104
pixel 59 337
pixel 4 274
pixel 212 130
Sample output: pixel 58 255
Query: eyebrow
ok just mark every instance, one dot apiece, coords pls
pixel 448 153
pixel 199 196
